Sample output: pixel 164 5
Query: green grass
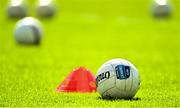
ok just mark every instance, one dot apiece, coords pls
pixel 88 33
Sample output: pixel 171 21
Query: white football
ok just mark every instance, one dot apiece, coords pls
pixel 17 8
pixel 117 78
pixel 161 8
pixel 45 8
pixel 28 31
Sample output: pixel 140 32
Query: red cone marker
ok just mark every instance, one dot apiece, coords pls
pixel 79 80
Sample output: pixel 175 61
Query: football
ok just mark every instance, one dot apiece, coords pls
pixel 17 8
pixel 45 8
pixel 161 8
pixel 117 78
pixel 28 31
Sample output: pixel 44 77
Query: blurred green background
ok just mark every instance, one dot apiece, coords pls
pixel 88 33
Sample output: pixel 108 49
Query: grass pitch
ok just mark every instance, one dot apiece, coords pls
pixel 88 33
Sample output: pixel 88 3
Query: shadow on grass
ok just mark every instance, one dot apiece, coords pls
pixel 115 99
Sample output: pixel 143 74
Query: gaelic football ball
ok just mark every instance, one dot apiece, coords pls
pixel 117 78
pixel 28 31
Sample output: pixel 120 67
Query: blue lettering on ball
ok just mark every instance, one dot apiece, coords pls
pixel 122 72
